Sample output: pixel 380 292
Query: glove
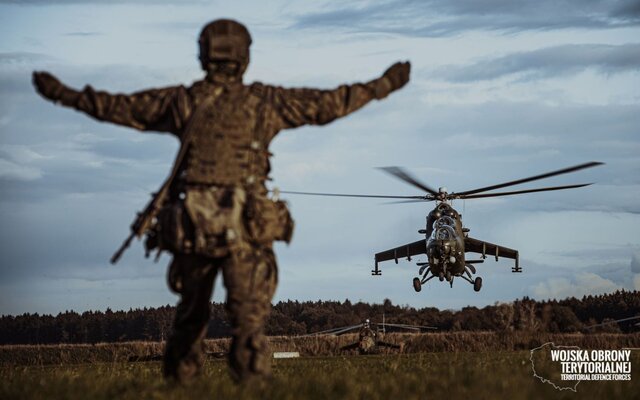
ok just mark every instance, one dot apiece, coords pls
pixel 48 85
pixel 398 74
pixel 395 77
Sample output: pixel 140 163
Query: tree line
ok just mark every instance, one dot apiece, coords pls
pixel 293 317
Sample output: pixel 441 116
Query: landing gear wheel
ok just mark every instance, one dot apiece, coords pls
pixel 417 285
pixel 477 284
pixel 448 276
pixel 441 276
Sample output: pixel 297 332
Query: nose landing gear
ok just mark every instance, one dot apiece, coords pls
pixel 445 275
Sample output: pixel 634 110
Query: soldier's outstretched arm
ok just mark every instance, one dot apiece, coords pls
pixel 318 107
pixel 161 110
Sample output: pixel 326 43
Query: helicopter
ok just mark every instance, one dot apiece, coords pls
pixel 611 322
pixel 371 336
pixel 446 240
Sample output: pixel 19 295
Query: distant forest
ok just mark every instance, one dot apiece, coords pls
pixel 296 318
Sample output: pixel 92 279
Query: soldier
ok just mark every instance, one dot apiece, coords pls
pixel 368 338
pixel 213 213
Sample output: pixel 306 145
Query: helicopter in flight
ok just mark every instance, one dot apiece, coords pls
pixel 446 240
pixel 371 336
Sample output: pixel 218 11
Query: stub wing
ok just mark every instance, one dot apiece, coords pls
pixel 486 248
pixel 404 251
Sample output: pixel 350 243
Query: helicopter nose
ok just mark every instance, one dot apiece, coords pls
pixel 446 248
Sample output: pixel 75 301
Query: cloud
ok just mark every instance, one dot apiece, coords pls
pixel 635 263
pixel 580 285
pixel 105 2
pixel 613 270
pixel 20 153
pixel 635 269
pixel 15 163
pixel 509 141
pixel 11 170
pixel 83 34
pixel 74 153
pixel 496 142
pixel 556 62
pixel 628 9
pixel 66 223
pixel 599 254
pixel 75 167
pixel 22 57
pixel 435 18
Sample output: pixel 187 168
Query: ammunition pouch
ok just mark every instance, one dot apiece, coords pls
pixel 267 220
pixel 176 232
pixel 212 221
pixel 173 230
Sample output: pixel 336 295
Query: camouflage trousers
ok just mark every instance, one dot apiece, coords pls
pixel 250 277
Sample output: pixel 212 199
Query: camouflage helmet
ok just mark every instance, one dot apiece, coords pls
pixel 224 39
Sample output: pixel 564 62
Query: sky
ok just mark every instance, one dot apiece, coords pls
pixel 499 90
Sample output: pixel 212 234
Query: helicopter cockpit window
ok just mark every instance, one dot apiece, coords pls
pixel 443 221
pixel 444 232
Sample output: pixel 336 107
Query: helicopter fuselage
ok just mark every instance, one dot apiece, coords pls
pixel 445 241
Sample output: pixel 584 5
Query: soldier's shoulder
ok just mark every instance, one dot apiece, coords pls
pixel 156 91
pixel 197 87
pixel 263 90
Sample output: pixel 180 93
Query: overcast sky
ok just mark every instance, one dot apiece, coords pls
pixel 499 90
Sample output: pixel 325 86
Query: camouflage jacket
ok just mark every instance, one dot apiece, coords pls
pixel 229 128
pixel 265 110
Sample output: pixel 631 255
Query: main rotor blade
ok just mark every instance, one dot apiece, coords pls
pixel 327 332
pixel 405 176
pixel 479 196
pixel 613 322
pixel 347 330
pixel 355 195
pixel 532 178
pixel 333 331
pixel 407 201
pixel 418 327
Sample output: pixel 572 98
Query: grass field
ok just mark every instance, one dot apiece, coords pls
pixel 479 375
pixel 320 346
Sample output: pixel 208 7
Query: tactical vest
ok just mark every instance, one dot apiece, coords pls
pixel 225 146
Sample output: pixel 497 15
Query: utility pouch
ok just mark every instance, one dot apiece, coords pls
pixel 267 220
pixel 174 229
pixel 217 219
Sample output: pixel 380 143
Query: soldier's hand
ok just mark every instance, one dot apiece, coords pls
pixel 48 85
pixel 398 74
